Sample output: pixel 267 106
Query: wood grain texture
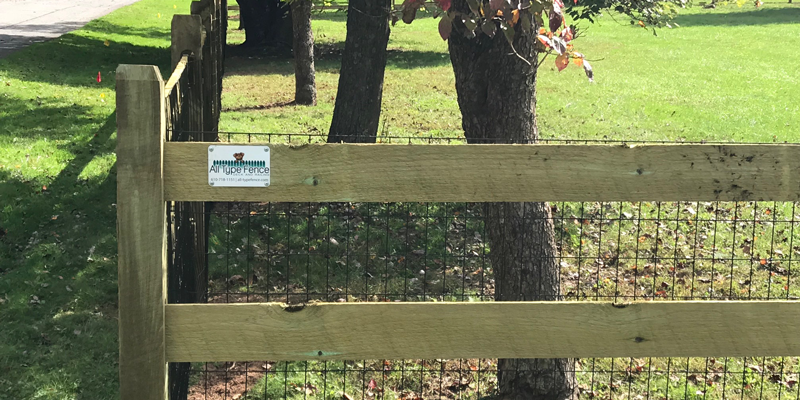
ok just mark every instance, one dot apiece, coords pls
pixel 480 173
pixel 268 331
pixel 141 218
pixel 188 37
pixel 175 77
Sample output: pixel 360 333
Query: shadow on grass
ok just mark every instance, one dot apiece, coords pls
pixel 75 60
pixel 105 27
pixel 328 59
pixel 341 15
pixel 58 274
pixel 769 16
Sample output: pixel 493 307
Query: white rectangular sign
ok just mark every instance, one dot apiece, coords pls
pixel 238 165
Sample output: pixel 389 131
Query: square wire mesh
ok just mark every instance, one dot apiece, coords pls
pixel 393 252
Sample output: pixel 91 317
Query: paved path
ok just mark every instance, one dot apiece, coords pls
pixel 23 22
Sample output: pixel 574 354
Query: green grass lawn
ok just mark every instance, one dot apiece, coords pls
pixel 726 74
pixel 710 79
pixel 58 262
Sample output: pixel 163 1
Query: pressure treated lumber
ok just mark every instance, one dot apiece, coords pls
pixel 141 235
pixel 188 37
pixel 479 173
pixel 271 331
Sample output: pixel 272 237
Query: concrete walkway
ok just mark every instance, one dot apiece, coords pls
pixel 23 22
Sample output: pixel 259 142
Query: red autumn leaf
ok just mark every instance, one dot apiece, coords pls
pixel 560 47
pixel 556 18
pixel 410 8
pixel 562 62
pixel 445 28
pixel 567 34
pixel 545 40
pixel 443 4
pixel 372 384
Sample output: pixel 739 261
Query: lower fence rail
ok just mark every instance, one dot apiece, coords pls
pixel 272 331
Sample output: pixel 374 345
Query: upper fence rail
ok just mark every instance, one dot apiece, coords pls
pixel 495 173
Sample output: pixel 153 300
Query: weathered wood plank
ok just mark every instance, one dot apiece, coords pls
pixel 268 331
pixel 352 172
pixel 188 37
pixel 141 235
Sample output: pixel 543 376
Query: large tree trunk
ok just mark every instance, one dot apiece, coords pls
pixel 254 18
pixel 358 100
pixel 303 44
pixel 497 97
pixel 264 22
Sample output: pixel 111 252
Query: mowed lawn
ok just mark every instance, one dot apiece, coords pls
pixel 726 74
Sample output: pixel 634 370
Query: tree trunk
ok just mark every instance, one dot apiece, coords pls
pixel 264 22
pixel 497 97
pixel 253 14
pixel 358 100
pixel 303 44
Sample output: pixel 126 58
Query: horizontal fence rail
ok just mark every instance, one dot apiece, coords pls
pixel 484 173
pixel 256 331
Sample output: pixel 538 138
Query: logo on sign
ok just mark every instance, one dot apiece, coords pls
pixel 228 166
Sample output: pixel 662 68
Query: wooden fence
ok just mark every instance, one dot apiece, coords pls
pixel 154 172
pixel 185 108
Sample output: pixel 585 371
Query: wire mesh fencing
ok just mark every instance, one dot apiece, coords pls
pixel 440 252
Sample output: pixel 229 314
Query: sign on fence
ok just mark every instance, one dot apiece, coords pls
pixel 238 166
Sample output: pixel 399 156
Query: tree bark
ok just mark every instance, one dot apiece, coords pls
pixel 497 97
pixel 303 45
pixel 263 22
pixel 253 14
pixel 358 100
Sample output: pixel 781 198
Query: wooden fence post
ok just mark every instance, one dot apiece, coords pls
pixel 187 35
pixel 141 232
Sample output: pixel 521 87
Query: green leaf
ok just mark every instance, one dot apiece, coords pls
pixel 469 23
pixel 474 7
pixel 508 31
pixel 525 21
pixel 489 28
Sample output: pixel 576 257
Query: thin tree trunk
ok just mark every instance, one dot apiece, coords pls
pixel 358 100
pixel 497 97
pixel 303 44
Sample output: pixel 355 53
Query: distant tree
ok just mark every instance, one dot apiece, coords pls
pixel 265 22
pixel 358 100
pixel 303 50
